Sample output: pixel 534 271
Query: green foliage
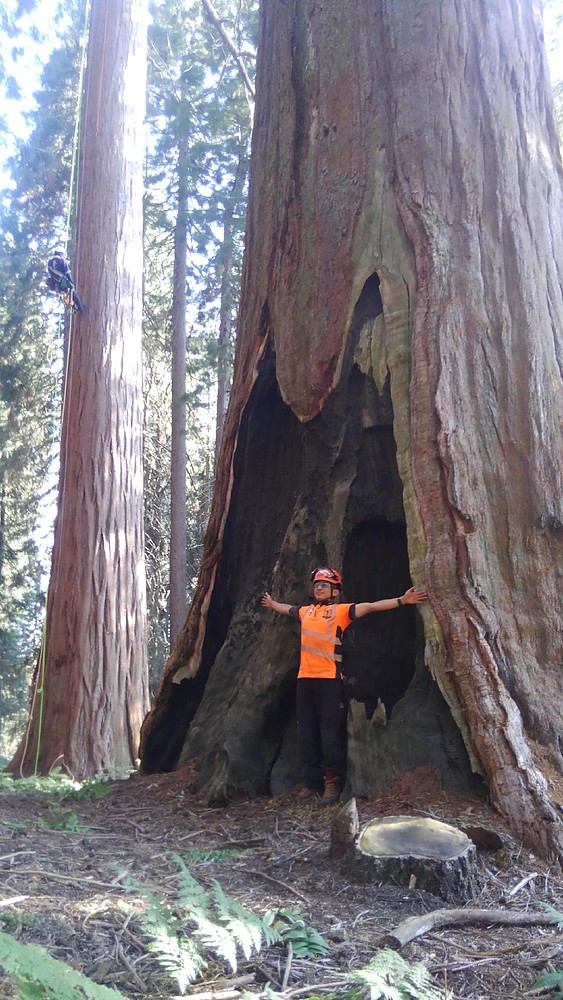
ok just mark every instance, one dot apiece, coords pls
pixel 556 915
pixel 196 854
pixel 58 785
pixel 551 981
pixel 390 977
pixel 62 819
pixel 38 976
pixel 305 941
pixel 199 123
pixel 217 924
pixel 202 923
pixel 90 790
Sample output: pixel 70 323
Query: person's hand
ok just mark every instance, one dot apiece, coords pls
pixel 267 601
pixel 414 596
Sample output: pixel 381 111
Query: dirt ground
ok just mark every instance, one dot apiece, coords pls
pixel 62 885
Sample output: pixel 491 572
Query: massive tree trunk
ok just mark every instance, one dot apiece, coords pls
pixel 396 407
pixel 92 690
pixel 178 476
pixel 226 305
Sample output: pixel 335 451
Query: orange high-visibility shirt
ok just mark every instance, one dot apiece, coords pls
pixel 322 626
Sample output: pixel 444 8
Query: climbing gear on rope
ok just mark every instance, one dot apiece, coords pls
pixel 60 281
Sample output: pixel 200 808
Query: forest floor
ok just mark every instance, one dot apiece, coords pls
pixel 63 885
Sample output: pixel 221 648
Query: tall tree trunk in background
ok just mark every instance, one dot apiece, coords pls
pixel 178 516
pixel 226 306
pixel 396 407
pixel 94 673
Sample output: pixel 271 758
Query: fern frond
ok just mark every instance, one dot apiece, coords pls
pixel 180 957
pixel 552 981
pixel 217 939
pixel 555 914
pixel 190 894
pixel 270 931
pixel 37 974
pixel 390 977
pixel 246 929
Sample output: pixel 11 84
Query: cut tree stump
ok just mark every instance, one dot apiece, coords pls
pixel 418 853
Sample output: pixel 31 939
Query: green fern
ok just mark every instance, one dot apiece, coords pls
pixel 180 957
pixel 38 976
pixel 551 981
pixel 214 923
pixel 389 977
pixel 215 927
pixel 190 894
pixel 556 915
pixel 246 930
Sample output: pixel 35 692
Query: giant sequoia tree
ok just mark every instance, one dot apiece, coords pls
pixel 396 408
pixel 91 689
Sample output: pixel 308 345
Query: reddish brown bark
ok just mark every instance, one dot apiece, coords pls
pixel 178 476
pixel 415 146
pixel 226 306
pixel 94 674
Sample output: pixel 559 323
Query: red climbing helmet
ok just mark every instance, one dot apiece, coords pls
pixel 325 575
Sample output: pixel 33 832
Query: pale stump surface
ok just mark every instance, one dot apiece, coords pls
pixel 416 851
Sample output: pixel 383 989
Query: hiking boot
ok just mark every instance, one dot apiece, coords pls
pixel 306 793
pixel 332 789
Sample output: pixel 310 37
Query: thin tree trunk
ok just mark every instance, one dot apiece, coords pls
pixel 87 713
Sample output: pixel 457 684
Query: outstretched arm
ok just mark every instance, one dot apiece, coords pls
pixel 268 602
pixel 411 596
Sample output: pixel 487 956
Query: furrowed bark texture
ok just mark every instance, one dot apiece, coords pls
pixel 487 380
pixel 396 406
pixel 94 673
pixel 178 464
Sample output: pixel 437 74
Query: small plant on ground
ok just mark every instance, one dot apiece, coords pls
pixel 62 819
pixel 202 923
pixel 305 941
pixel 38 976
pixel 57 785
pixel 389 977
pixel 552 980
pixel 196 854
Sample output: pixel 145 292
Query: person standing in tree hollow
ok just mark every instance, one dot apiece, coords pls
pixel 321 710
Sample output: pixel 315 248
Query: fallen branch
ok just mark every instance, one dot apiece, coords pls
pixel 414 927
pixel 227 993
pixel 285 979
pixel 213 995
pixel 15 854
pixel 521 884
pixel 12 901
